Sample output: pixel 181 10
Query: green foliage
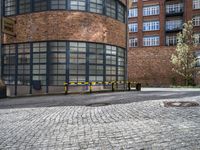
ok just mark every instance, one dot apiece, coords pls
pixel 183 59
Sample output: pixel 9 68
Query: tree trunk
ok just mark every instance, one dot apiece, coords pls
pixel 186 82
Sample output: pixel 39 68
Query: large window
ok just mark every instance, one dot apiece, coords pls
pixel 9 67
pixel 197 37
pixel 133 27
pixel 121 12
pixel 197 54
pixel 24 6
pixel 77 61
pixel 39 62
pixel 77 4
pixel 196 4
pixel 111 61
pixel 96 71
pixel 53 63
pixel 110 73
pixel 9 7
pixel 24 64
pixel 171 40
pixel 151 41
pixel 174 8
pixel 57 68
pixel 174 25
pixel 40 5
pixel 96 54
pixel 111 8
pixel 151 10
pixel 133 12
pixel 196 20
pixel 58 4
pixel 151 25
pixel 133 42
pixel 121 64
pixel 96 6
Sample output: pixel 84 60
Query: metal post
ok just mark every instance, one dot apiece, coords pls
pixel 31 68
pixel 117 87
pixel 16 68
pixel 127 43
pixel 47 66
pixel 90 84
pixel 113 89
pixel 87 63
pixel 66 88
pixel 1 34
pixel 129 86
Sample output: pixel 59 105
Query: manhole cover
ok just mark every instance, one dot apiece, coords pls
pixel 181 104
pixel 97 104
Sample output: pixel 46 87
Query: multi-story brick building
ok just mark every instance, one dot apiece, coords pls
pixel 153 26
pixel 57 41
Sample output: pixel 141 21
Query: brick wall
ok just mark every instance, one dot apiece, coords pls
pixel 68 25
pixel 151 65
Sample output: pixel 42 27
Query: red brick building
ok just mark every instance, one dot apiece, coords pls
pixel 153 26
pixel 57 41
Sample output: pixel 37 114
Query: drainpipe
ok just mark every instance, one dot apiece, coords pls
pixel 127 39
pixel 1 34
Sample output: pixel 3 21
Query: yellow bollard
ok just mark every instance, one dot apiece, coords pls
pixel 66 88
pixel 113 89
pixel 90 87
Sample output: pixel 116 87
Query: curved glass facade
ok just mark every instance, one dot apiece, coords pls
pixel 55 62
pixel 111 8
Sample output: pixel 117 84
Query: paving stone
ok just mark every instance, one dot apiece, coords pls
pixel 141 122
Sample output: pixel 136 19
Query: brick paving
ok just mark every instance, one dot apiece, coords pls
pixel 134 120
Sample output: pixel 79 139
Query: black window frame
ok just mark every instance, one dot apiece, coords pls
pixel 111 8
pixel 58 5
pixel 40 63
pixel 26 6
pixel 24 63
pixel 99 8
pixel 41 3
pixel 57 48
pixel 7 4
pixel 78 5
pixel 9 64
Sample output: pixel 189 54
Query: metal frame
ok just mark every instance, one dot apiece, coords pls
pixel 127 45
pixel 16 68
pixel 47 66
pixel 31 68
pixel 87 62
pixel 56 63
pixel 96 64
pixel 67 63
pixel 1 34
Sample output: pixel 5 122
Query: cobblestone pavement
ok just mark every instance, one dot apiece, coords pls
pixel 134 120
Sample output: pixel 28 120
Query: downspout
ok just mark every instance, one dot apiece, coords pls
pixel 127 38
pixel 1 36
